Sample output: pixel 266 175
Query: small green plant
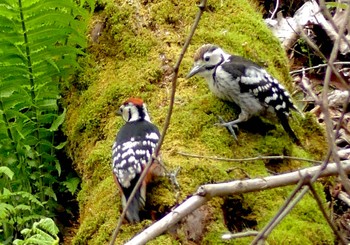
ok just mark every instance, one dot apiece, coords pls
pixel 39 44
pixel 17 210
pixel 43 232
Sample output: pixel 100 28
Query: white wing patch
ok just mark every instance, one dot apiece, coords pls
pixel 152 136
pixel 129 158
pixel 254 75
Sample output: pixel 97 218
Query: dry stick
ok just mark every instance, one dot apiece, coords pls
pixel 275 10
pixel 201 6
pixel 344 197
pixel 318 66
pixel 329 17
pixel 330 223
pixel 280 214
pixel 288 206
pixel 320 54
pixel 325 107
pixel 331 151
pixel 229 236
pixel 206 192
pixel 291 203
pixel 247 159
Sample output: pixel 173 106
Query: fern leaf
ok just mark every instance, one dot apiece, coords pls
pixel 58 121
pixel 6 171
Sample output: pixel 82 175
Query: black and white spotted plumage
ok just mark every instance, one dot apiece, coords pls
pixel 239 80
pixel 131 151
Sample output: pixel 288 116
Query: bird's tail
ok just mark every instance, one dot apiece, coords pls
pixel 293 107
pixel 137 204
pixel 284 121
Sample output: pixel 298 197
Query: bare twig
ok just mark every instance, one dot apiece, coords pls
pixel 298 193
pixel 320 54
pixel 325 215
pixel 329 17
pixel 249 158
pixel 306 84
pixel 344 197
pixel 325 108
pixel 229 236
pixel 301 190
pixel 318 66
pixel 324 102
pixel 275 10
pixel 282 212
pixel 201 6
pixel 206 192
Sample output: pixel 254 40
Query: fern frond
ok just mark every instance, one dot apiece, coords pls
pixel 39 43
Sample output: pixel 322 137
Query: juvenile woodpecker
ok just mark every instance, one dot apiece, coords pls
pixel 132 150
pixel 239 80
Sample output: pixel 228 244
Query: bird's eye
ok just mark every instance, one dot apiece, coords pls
pixel 120 111
pixel 207 58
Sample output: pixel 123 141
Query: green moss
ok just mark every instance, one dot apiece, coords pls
pixel 127 63
pixel 214 234
pixel 96 221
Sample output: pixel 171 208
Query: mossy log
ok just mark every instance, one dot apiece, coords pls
pixel 132 56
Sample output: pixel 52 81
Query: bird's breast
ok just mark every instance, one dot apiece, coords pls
pixel 227 88
pixel 224 87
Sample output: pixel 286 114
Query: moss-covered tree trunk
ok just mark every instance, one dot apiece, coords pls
pixel 132 56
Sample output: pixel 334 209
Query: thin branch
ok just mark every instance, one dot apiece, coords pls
pixel 344 197
pixel 249 158
pixel 329 17
pixel 201 6
pixel 169 220
pixel 325 108
pixel 275 10
pixel 320 54
pixel 206 192
pixel 324 102
pixel 282 212
pixel 318 66
pixel 291 202
pixel 229 236
pixel 306 84
pixel 330 223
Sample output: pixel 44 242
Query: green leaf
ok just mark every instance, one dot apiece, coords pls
pixel 58 167
pixel 23 207
pixel 31 69
pixel 6 210
pixel 43 232
pixel 6 171
pixel 6 192
pixel 49 226
pixel 49 192
pixel 58 121
pixel 72 184
pixel 61 145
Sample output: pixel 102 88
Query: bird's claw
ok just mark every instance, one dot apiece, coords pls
pixel 229 126
pixel 172 176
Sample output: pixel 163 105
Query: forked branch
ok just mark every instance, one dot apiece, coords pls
pixel 206 192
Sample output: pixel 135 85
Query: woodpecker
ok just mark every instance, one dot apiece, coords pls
pixel 131 152
pixel 239 80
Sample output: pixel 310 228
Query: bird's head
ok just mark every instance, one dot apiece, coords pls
pixel 206 59
pixel 134 109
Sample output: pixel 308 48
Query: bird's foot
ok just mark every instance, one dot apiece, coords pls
pixel 173 177
pixel 230 126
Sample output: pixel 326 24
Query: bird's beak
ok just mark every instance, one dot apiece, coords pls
pixel 195 69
